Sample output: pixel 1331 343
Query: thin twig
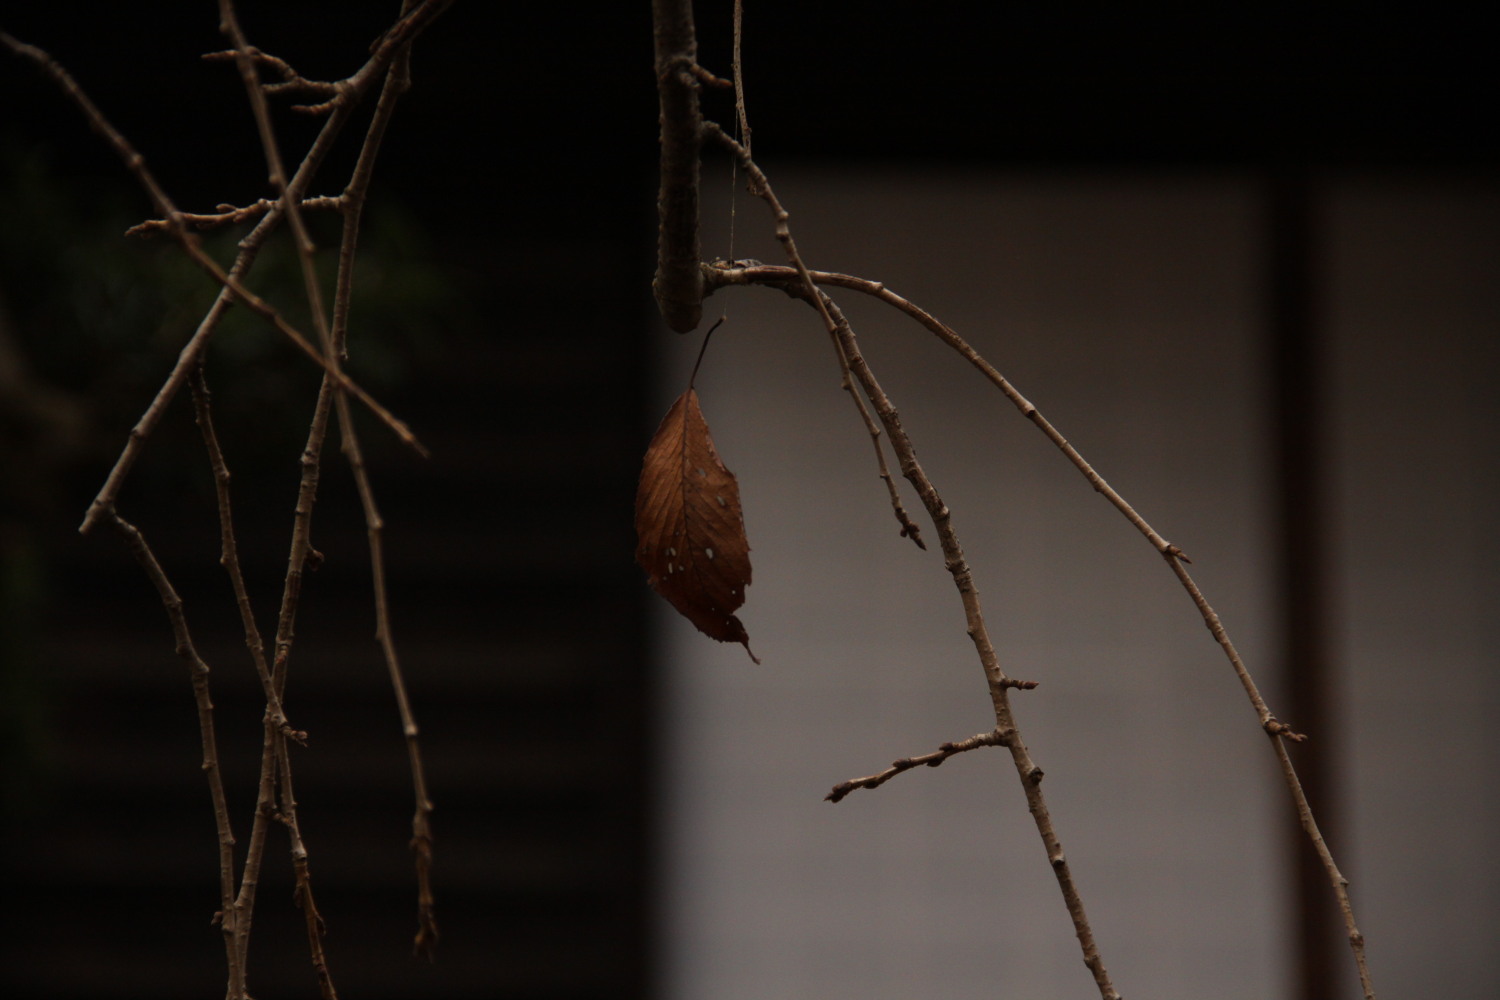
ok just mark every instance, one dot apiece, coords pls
pixel 1027 770
pixel 397 82
pixel 226 916
pixel 277 729
pixel 229 215
pixel 245 61
pixel 303 893
pixel 273 747
pixel 993 738
pixel 909 528
pixel 291 80
pixel 741 117
pixel 333 344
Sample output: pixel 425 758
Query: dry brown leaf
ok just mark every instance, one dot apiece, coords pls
pixel 689 528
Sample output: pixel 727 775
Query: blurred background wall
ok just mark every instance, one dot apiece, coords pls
pixel 1244 262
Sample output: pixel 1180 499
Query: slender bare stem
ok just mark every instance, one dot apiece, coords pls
pixel 397 82
pixel 741 116
pixel 230 215
pixel 245 61
pixel 1029 773
pixel 291 80
pixel 993 738
pixel 277 729
pixel 301 871
pixel 226 916
pixel 247 65
pixel 909 528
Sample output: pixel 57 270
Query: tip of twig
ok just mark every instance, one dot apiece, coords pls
pixel 426 941
pixel 322 108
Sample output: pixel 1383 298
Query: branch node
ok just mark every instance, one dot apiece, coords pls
pixel 1276 728
pixel 995 737
pixel 707 77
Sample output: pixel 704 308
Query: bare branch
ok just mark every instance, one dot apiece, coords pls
pixel 277 729
pixel 226 916
pixel 276 801
pixel 398 80
pixel 229 215
pixel 352 203
pixel 678 285
pixel 791 280
pixel 229 556
pixel 909 528
pixel 292 82
pixel 993 738
pixel 953 558
pixel 741 117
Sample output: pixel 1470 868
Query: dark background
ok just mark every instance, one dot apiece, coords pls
pixel 510 252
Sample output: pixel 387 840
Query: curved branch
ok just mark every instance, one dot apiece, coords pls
pixel 791 280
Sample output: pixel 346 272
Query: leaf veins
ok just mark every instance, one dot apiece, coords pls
pixel 689 527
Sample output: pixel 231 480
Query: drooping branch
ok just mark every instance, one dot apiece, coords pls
pixel 953 559
pixel 792 281
pixel 136 542
pixel 334 340
pixel 398 81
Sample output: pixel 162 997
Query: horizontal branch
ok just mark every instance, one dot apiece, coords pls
pixel 291 80
pixel 993 738
pixel 229 215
